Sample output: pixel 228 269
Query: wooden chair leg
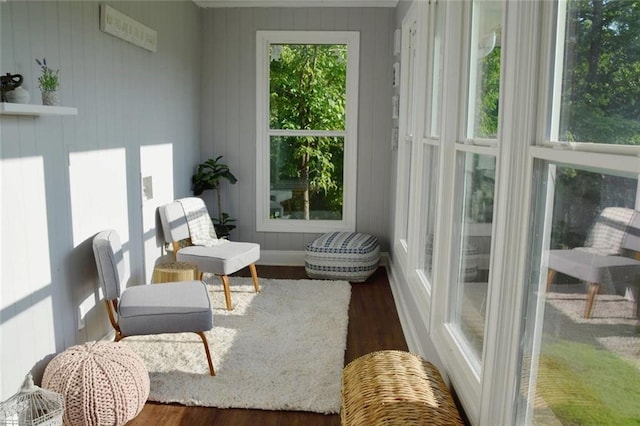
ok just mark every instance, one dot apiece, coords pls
pixel 227 291
pixel 551 275
pixel 254 276
pixel 206 349
pixel 591 296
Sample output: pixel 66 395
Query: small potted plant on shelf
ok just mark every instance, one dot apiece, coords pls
pixel 48 82
pixel 209 175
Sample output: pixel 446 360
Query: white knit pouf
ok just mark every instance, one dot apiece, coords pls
pixel 102 383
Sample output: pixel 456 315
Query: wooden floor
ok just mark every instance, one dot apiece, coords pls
pixel 373 325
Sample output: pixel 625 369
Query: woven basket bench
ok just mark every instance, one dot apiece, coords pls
pixel 395 388
pixel 347 256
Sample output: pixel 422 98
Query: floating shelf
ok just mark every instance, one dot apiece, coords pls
pixel 30 109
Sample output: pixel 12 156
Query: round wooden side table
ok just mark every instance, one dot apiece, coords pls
pixel 170 272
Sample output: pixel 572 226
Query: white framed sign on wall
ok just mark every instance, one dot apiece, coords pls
pixel 120 25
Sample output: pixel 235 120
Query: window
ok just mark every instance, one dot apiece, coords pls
pixel 474 244
pixel 433 112
pixel 579 359
pixel 484 70
pixel 581 367
pixel 475 176
pixel 307 93
pixel 430 160
pixel 408 85
pixel 597 73
pixel 538 139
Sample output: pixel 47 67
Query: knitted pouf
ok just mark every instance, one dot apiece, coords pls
pixel 102 383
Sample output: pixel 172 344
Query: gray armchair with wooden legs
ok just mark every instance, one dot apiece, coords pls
pixel 610 257
pixel 220 259
pixel 150 309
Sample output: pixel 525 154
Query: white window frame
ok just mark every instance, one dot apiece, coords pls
pixel 546 148
pixel 465 369
pixel 406 129
pixel 489 394
pixel 263 132
pixel 425 97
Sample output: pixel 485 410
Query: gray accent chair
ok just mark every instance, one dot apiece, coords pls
pixel 610 258
pixel 221 260
pixel 150 309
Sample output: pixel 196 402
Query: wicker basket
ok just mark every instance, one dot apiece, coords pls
pixel 395 388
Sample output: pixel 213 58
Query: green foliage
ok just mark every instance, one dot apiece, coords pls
pixel 209 175
pixel 600 103
pixel 49 80
pixel 601 92
pixel 308 92
pixel 308 87
pixel 223 225
pixel 487 116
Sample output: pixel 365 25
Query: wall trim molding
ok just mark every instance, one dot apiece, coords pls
pixel 410 334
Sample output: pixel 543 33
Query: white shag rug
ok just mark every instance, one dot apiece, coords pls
pixel 280 349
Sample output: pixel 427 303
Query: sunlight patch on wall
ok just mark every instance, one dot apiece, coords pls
pixel 98 187
pixel 156 169
pixel 25 297
pixel 26 265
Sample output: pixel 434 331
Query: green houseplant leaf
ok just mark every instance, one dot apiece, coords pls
pixel 209 175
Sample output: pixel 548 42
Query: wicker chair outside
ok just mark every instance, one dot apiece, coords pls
pixel 395 388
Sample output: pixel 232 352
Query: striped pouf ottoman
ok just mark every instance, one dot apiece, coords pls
pixel 347 256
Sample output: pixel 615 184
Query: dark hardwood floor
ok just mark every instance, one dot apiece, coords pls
pixel 373 325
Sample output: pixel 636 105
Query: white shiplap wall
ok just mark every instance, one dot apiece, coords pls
pixel 228 109
pixel 65 178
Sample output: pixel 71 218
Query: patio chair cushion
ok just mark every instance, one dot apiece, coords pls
pixel 223 259
pixel 595 268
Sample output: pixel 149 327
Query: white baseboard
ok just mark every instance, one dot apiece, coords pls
pixel 410 335
pixel 296 258
pixel 281 257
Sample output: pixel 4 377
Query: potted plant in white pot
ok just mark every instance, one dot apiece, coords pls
pixel 48 83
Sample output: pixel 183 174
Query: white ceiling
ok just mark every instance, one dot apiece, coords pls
pixel 296 3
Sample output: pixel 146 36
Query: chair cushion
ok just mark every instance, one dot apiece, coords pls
pixel 107 251
pixel 608 233
pixel 224 259
pixel 165 308
pixel 174 222
pixel 593 268
pixel 342 255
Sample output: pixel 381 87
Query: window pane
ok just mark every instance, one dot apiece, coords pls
pixel 582 366
pixel 469 305
pixel 601 73
pixel 484 87
pixel 411 78
pixel 306 178
pixel 433 107
pixel 307 86
pixel 430 185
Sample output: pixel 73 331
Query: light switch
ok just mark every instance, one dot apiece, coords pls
pixel 147 187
